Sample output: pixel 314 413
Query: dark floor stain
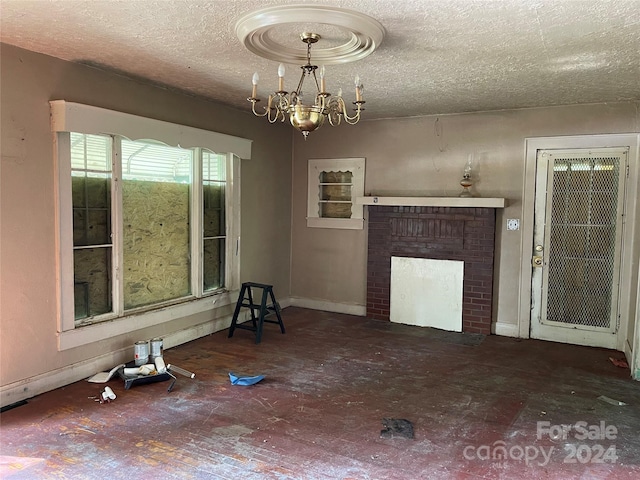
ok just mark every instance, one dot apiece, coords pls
pixel 396 428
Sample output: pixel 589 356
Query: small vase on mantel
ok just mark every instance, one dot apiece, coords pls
pixel 466 181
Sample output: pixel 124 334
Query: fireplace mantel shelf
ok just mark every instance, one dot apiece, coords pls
pixel 473 202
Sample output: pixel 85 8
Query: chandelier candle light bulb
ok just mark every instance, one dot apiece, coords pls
pixel 323 86
pixel 254 81
pixel 281 77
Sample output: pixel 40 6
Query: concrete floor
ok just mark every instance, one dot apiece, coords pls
pixel 475 402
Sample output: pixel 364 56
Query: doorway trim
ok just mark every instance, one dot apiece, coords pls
pixel 630 252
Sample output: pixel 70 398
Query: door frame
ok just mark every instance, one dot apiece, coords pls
pixel 628 291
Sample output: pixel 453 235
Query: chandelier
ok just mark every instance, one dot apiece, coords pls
pixel 296 105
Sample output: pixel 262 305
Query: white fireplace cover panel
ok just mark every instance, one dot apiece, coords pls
pixel 427 292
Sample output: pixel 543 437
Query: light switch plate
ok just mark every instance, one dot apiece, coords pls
pixel 513 224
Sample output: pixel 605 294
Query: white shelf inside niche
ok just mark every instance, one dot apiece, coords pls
pixel 473 202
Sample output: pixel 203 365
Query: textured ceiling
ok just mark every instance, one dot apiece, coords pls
pixel 438 56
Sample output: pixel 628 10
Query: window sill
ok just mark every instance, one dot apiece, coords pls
pixel 123 325
pixel 340 223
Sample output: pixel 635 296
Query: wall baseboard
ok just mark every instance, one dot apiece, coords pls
pixel 30 387
pixel 327 306
pixel 628 353
pixel 506 329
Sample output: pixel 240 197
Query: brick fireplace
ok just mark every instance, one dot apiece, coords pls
pixel 441 233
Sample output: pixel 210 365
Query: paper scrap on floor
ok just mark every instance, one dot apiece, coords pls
pixel 104 377
pixel 243 380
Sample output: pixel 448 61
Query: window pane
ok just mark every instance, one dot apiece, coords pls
pixel 214 214
pixel 213 191
pixel 90 152
pixel 214 167
pixel 91 210
pixel 336 177
pixel 335 210
pixel 91 189
pixel 335 192
pixel 151 161
pixel 92 281
pixel 155 209
pixel 214 255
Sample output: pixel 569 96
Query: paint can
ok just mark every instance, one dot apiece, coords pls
pixel 156 349
pixel 141 352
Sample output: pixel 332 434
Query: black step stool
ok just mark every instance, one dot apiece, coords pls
pixel 245 299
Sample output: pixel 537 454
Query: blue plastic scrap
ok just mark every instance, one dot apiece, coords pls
pixel 245 381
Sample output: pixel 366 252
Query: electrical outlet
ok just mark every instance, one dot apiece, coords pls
pixel 513 224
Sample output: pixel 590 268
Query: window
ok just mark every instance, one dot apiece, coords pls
pixel 147 231
pixel 155 217
pixel 151 218
pixel 333 186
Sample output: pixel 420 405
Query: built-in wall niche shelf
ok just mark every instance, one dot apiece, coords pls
pixel 473 202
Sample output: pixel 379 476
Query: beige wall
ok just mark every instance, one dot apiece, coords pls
pixel 426 156
pixel 414 156
pixel 27 255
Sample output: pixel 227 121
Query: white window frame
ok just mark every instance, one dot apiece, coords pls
pixel 317 165
pixel 72 117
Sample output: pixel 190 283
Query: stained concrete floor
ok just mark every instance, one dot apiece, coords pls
pixel 475 404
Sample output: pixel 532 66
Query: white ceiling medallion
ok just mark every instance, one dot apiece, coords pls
pixel 258 31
